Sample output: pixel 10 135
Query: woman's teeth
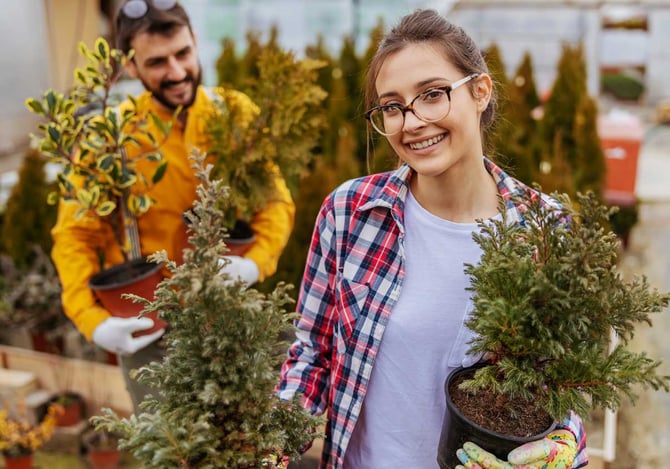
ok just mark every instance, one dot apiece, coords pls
pixel 426 143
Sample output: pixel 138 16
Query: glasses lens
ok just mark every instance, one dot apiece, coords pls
pixel 164 4
pixel 386 122
pixel 138 8
pixel 135 8
pixel 433 105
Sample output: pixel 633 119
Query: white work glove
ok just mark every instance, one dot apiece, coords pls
pixel 239 268
pixel 116 334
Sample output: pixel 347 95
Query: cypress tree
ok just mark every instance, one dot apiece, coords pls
pixel 218 407
pixel 523 100
pixel 590 166
pixel 227 65
pixel 560 110
pixel 499 144
pixel 28 218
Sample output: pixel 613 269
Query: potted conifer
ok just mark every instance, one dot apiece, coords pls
pixel 546 296
pixel 218 407
pixel 98 152
pixel 249 147
pixel 102 449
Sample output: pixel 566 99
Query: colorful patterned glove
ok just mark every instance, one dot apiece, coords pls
pixel 555 451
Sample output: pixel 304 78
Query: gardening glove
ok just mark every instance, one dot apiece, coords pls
pixel 116 334
pixel 555 451
pixel 239 268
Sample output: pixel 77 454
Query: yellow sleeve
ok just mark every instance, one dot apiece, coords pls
pixel 272 227
pixel 77 244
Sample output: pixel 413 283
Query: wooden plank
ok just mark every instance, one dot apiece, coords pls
pixel 102 385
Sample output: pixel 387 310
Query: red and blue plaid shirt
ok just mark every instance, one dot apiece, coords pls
pixel 352 280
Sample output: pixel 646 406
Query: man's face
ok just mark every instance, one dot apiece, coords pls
pixel 167 66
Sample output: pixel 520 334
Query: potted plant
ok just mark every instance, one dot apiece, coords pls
pixel 102 448
pixel 218 407
pixel 546 296
pixel 19 438
pixel 98 152
pixel 248 147
pixel 30 299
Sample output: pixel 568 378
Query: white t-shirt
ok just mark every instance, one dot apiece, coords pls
pixel 401 417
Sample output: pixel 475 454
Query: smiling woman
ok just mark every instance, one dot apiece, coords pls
pixel 384 296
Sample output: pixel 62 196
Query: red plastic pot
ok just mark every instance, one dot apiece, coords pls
pixel 102 450
pixel 19 462
pixel 139 277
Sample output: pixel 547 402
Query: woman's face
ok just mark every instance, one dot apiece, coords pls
pixel 432 148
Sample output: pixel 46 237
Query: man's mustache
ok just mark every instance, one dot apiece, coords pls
pixel 168 83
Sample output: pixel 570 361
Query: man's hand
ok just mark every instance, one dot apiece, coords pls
pixel 555 451
pixel 116 334
pixel 239 268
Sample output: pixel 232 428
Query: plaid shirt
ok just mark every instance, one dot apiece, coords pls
pixel 352 280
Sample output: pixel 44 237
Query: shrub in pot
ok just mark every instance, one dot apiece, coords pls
pixel 218 407
pixel 546 297
pixel 250 147
pixel 96 148
pixel 102 449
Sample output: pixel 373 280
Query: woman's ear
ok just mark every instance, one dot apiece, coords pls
pixel 482 91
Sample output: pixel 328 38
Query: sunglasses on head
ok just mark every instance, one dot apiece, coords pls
pixel 138 8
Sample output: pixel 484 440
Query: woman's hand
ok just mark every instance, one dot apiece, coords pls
pixel 555 451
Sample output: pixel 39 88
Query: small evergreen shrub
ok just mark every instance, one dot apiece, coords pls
pixel 546 296
pixel 218 408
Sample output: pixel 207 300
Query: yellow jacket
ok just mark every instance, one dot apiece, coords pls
pixel 78 243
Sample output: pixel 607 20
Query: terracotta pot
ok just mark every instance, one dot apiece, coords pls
pixel 19 462
pixel 457 429
pixel 73 404
pixel 104 458
pixel 139 277
pixel 239 240
pixel 103 453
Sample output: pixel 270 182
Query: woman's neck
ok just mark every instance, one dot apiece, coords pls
pixel 461 195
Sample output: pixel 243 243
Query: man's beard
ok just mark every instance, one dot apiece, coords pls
pixel 159 94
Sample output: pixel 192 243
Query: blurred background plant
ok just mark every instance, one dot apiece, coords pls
pixel 19 437
pixel 279 136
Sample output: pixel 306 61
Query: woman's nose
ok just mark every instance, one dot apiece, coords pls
pixel 412 122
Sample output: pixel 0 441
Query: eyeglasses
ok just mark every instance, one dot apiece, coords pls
pixel 431 105
pixel 138 8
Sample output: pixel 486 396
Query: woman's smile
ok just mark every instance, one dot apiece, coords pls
pixel 427 142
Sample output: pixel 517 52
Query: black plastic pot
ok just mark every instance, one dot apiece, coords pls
pixel 457 429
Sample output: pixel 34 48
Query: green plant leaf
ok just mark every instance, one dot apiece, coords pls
pixel 160 172
pixel 52 198
pixel 103 48
pixel 50 98
pixel 54 133
pixel 105 208
pixel 34 106
pixel 106 162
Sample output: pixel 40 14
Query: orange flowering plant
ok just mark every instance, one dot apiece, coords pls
pixel 20 437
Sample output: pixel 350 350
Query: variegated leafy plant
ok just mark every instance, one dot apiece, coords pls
pixel 97 147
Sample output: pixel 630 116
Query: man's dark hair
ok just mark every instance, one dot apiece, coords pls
pixel 155 21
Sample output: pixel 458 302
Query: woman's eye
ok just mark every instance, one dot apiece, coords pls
pixel 390 109
pixel 432 95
